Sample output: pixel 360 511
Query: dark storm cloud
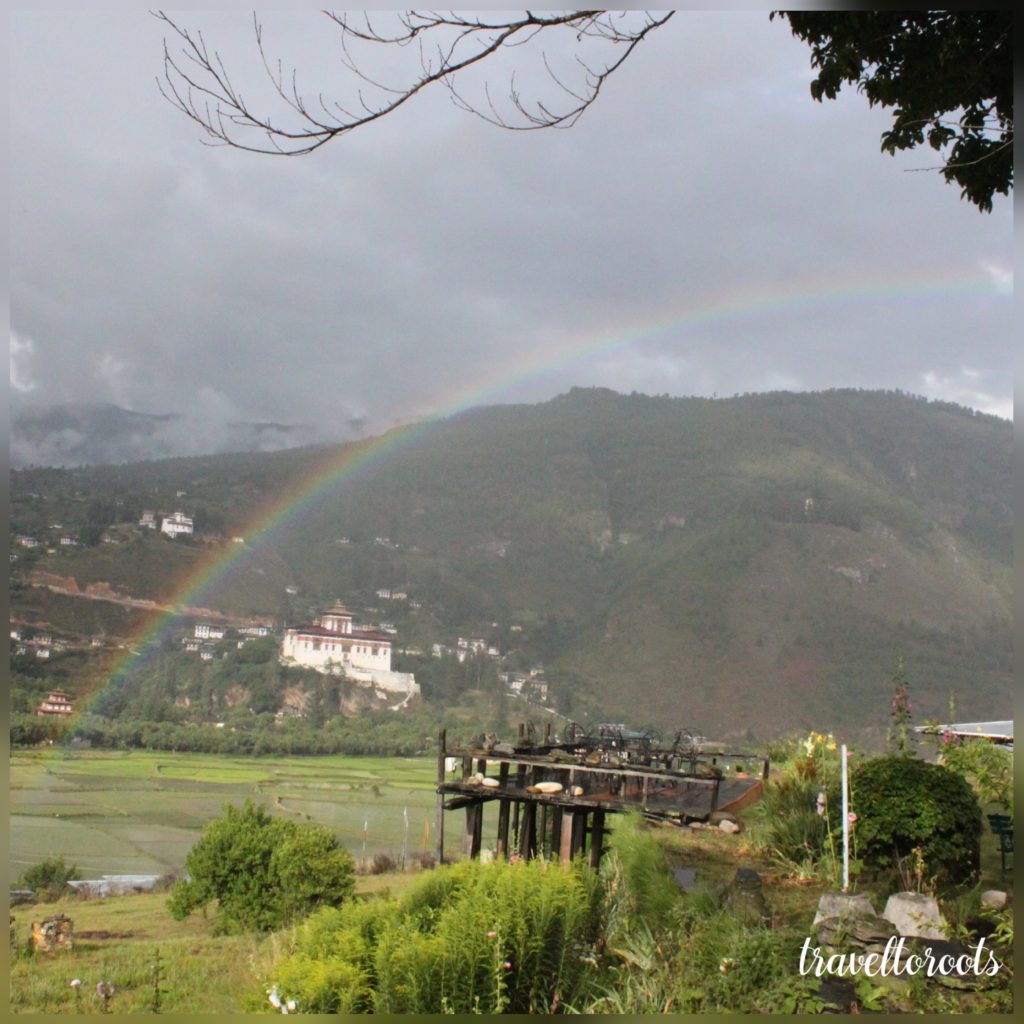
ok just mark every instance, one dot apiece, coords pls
pixel 419 259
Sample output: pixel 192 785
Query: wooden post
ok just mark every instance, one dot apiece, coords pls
pixel 471 838
pixel 543 828
pixel 579 830
pixel 597 839
pixel 442 738
pixel 556 829
pixel 714 797
pixel 528 830
pixel 565 848
pixel 503 812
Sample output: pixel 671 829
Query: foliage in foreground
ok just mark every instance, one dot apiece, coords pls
pixel 908 806
pixel 472 937
pixel 263 872
pixel 987 767
pixel 49 878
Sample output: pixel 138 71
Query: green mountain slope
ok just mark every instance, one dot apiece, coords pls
pixel 754 563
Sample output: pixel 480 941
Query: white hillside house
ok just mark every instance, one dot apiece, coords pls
pixel 333 645
pixel 176 524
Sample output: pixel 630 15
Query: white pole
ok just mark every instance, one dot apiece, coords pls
pixel 846 820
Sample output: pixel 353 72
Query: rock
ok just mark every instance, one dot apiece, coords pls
pixel 725 825
pixel 843 904
pixel 915 914
pixel 862 933
pixel 993 899
pixel 545 787
pixel 941 948
pixel 836 993
pixel 746 896
pixel 717 817
pixel 686 878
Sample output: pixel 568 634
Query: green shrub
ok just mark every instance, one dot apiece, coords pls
pixel 49 878
pixel 263 872
pixel 637 877
pixel 785 826
pixel 468 938
pixel 988 769
pixel 905 805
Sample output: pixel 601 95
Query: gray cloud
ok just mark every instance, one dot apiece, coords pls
pixel 432 258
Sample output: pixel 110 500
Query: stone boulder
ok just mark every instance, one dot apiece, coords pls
pixel 746 896
pixel 843 904
pixel 941 948
pixel 915 914
pixel 993 899
pixel 863 934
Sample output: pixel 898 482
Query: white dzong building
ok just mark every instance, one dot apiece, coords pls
pixel 332 645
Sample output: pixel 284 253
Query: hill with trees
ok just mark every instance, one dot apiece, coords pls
pixel 747 566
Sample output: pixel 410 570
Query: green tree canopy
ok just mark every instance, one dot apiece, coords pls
pixel 947 74
pixel 262 871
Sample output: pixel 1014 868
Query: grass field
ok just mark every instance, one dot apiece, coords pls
pixel 112 812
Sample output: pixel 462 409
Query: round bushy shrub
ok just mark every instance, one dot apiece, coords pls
pixel 904 804
pixel 49 878
pixel 262 872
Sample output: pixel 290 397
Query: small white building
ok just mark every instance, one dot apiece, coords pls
pixel 208 631
pixel 148 519
pixel 176 524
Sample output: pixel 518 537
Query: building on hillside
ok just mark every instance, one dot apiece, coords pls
pixel 208 631
pixel 57 703
pixel 148 519
pixel 334 645
pixel 176 525
pixel 257 629
pixel 468 645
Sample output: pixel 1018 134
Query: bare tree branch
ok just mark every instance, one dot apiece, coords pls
pixel 450 43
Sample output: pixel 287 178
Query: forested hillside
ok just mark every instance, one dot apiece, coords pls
pixel 751 565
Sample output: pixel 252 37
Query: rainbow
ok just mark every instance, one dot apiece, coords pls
pixel 805 296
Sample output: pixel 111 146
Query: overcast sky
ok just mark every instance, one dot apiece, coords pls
pixel 706 228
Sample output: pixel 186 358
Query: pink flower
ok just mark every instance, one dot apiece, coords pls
pixel 507 965
pixel 491 935
pixel 852 817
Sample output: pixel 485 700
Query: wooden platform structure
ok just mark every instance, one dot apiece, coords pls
pixel 592 777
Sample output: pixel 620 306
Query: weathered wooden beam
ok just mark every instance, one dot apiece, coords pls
pixel 471 836
pixel 596 839
pixel 467 800
pixel 503 814
pixel 442 757
pixel 566 849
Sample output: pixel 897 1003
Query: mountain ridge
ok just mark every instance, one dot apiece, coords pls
pixel 755 563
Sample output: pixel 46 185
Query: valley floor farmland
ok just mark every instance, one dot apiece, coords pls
pixel 140 812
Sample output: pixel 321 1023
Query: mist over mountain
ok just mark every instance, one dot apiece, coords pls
pixel 97 433
pixel 746 565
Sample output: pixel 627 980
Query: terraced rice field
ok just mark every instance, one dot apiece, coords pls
pixel 114 812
